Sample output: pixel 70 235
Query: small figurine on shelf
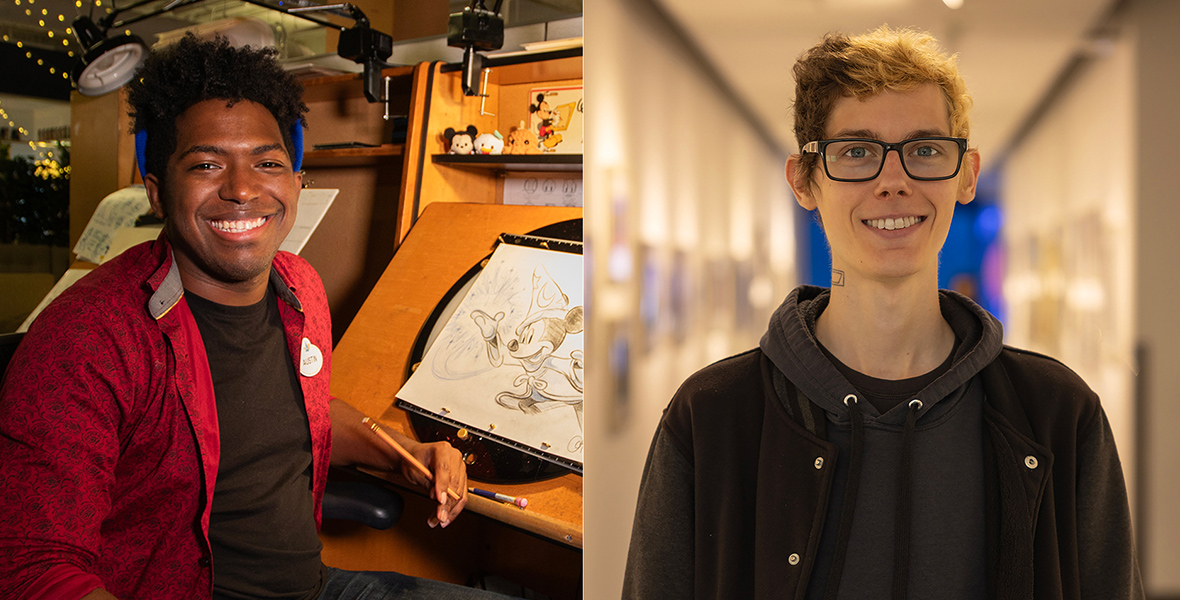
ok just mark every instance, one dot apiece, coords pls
pixel 489 143
pixel 521 141
pixel 548 119
pixel 462 142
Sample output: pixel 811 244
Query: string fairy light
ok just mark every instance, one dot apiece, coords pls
pixel 45 21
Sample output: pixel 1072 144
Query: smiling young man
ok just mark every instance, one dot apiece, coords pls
pixel 166 425
pixel 882 441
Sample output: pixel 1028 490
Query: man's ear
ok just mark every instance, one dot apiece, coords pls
pixel 970 176
pixel 153 191
pixel 800 183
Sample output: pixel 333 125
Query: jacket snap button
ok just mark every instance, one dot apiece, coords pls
pixel 1030 461
pixel 819 462
pixel 793 559
pixel 203 561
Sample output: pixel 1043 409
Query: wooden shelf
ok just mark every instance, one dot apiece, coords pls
pixel 570 163
pixel 351 156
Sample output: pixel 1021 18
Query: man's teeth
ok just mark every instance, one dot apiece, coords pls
pixel 891 224
pixel 238 226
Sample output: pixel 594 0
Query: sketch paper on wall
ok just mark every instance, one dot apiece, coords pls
pixel 555 115
pixel 510 360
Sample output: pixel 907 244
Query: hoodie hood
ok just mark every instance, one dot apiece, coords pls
pixel 927 435
pixel 790 344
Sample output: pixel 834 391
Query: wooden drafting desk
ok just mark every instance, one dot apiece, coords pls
pixel 369 364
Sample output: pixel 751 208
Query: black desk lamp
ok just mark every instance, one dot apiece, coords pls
pixel 110 62
pixel 476 28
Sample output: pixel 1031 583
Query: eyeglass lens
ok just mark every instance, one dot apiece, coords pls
pixel 859 159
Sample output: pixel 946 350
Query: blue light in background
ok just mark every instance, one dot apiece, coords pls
pixel 971 260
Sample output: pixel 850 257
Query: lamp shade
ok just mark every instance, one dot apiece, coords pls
pixel 107 63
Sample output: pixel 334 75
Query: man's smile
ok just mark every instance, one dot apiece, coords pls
pixel 891 224
pixel 238 225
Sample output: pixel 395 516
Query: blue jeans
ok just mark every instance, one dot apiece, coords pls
pixel 376 585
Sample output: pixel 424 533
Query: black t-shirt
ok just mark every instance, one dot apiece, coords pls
pixel 262 525
pixel 884 394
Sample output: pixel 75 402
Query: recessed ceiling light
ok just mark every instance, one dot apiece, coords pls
pixel 953 4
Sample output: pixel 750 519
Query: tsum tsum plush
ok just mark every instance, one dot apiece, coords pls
pixel 462 142
pixel 489 143
pixel 521 141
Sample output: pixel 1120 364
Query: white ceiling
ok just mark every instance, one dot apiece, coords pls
pixel 1010 51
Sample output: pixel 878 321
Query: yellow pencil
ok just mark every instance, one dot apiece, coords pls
pixel 405 454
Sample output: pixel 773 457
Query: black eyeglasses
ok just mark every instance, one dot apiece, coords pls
pixel 860 159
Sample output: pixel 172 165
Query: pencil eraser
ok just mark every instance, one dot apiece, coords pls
pixel 522 502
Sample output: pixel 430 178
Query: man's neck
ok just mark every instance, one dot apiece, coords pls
pixel 886 329
pixel 241 293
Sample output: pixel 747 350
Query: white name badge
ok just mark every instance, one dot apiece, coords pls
pixel 311 360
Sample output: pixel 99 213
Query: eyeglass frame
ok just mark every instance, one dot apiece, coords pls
pixel 818 147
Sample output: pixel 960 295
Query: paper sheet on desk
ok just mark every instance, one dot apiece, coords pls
pixel 313 204
pixel 509 362
pixel 119 209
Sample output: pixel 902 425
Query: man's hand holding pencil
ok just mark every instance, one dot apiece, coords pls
pixel 436 466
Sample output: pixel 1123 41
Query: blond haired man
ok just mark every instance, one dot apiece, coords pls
pixel 882 441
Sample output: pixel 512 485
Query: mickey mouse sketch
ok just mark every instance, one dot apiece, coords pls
pixel 549 379
pixel 547 135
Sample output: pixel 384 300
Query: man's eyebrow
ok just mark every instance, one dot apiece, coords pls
pixel 268 148
pixel 856 133
pixel 218 150
pixel 926 133
pixel 872 135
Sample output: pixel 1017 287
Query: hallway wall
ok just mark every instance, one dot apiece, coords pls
pixel 1090 201
pixel 691 247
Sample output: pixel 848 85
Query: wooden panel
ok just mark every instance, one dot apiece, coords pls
pixel 355 241
pixel 418 18
pixel 415 151
pixel 369 366
pixel 371 358
pixel 102 154
pixel 450 108
pixel 470 546
pixel 338 111
pixel 357 238
pixel 539 72
pixel 507 91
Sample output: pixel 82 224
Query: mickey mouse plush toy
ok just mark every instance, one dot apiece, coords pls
pixel 462 142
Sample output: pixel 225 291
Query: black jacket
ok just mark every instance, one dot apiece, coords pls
pixel 733 503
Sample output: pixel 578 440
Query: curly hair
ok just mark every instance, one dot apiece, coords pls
pixel 176 77
pixel 863 66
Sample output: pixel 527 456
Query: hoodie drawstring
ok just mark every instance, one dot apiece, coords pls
pixel 849 509
pixel 901 537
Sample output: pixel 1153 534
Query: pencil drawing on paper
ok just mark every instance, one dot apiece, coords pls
pixel 511 355
pixel 549 380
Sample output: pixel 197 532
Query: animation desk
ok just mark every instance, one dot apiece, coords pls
pixel 369 365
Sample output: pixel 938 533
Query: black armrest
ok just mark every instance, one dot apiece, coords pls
pixel 374 505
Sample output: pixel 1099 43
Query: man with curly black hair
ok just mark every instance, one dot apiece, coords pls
pixel 170 413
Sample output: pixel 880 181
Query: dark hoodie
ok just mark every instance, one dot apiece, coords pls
pixel 1013 481
pixel 947 539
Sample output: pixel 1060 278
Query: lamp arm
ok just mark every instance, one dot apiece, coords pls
pixel 108 21
pixel 354 12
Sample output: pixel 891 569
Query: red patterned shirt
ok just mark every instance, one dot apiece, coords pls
pixel 108 431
